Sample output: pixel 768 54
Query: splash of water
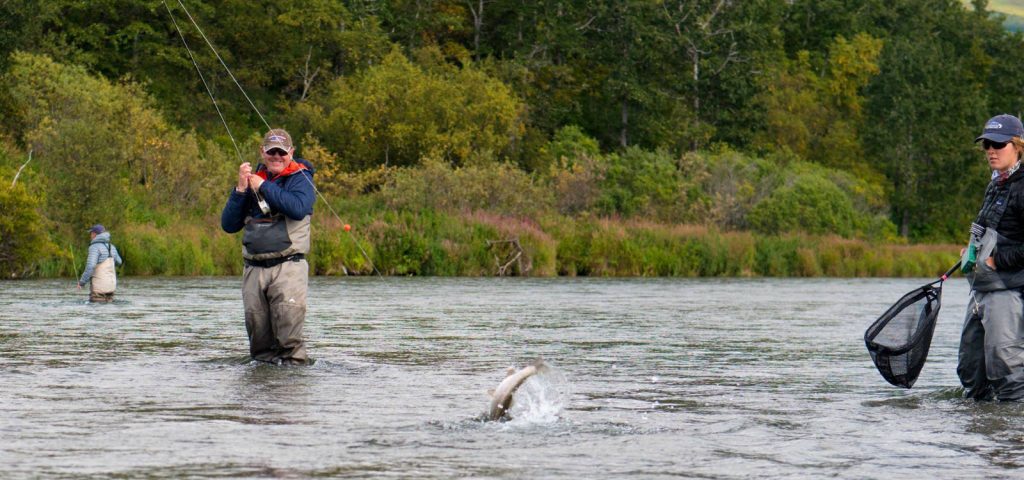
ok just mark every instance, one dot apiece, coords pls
pixel 541 398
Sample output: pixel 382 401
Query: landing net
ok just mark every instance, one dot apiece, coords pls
pixel 899 340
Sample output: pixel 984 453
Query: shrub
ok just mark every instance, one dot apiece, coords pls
pixel 499 188
pixel 809 203
pixel 640 182
pixel 23 239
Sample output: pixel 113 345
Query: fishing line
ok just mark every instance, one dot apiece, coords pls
pixel 259 198
pixel 214 50
pixel 238 152
pixel 209 91
pixel 74 263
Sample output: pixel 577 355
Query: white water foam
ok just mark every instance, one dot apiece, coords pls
pixel 541 398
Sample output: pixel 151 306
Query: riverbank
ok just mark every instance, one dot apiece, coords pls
pixel 480 244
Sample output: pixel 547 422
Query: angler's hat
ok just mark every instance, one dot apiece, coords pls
pixel 1001 128
pixel 97 229
pixel 277 138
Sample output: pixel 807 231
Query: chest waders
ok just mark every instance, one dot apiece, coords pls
pixel 274 285
pixel 275 237
pixel 990 361
pixel 104 279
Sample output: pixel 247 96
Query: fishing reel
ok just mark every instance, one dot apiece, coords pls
pixel 264 207
pixel 970 255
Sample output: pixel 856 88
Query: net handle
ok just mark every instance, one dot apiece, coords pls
pixel 949 272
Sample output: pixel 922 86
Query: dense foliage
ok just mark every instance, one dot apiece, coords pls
pixel 488 119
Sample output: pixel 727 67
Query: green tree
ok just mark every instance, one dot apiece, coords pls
pixel 420 23
pixel 718 49
pixel 280 51
pixel 23 25
pixel 397 113
pixel 101 149
pixel 820 117
pixel 923 111
pixel 937 83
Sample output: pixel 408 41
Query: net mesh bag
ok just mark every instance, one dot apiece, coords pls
pixel 899 340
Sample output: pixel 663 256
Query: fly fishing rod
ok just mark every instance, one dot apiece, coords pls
pixel 238 152
pixel 74 263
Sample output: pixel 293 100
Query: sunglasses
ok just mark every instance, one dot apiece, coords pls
pixel 987 144
pixel 277 152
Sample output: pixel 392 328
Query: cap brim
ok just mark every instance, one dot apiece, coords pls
pixel 995 137
pixel 282 146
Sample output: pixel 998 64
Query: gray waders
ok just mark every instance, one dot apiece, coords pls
pixel 991 360
pixel 275 310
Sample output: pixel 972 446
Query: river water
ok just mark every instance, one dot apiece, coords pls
pixel 648 378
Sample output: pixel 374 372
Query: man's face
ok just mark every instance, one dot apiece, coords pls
pixel 276 159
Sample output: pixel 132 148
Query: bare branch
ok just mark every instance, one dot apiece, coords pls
pixel 586 24
pixel 22 168
pixel 513 253
pixel 732 57
pixel 307 77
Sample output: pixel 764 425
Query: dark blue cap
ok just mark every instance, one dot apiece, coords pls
pixel 1001 128
pixel 97 229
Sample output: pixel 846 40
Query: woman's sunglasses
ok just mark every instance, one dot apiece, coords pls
pixel 277 152
pixel 987 144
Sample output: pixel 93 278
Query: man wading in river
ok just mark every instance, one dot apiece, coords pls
pixel 274 205
pixel 99 268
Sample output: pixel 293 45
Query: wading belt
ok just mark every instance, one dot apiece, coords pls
pixel 273 262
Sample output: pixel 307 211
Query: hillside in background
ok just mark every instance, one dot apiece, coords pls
pixel 1013 9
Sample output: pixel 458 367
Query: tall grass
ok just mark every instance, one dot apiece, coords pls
pixel 618 248
pixel 178 250
pixel 475 244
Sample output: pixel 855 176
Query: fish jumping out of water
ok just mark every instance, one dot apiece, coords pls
pixel 501 397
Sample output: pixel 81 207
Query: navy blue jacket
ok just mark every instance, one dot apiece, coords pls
pixel 293 195
pixel 1003 208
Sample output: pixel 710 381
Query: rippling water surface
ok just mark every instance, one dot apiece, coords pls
pixel 650 378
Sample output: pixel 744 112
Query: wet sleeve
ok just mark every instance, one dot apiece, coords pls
pixel 90 264
pixel 232 218
pixel 295 198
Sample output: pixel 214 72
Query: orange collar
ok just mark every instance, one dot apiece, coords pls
pixel 292 167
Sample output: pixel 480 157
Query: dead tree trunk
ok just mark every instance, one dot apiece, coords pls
pixel 506 254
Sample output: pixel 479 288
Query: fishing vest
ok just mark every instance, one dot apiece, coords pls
pixel 275 236
pixel 104 279
pixel 983 278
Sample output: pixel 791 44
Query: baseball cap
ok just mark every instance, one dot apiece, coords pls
pixel 97 229
pixel 277 138
pixel 1001 128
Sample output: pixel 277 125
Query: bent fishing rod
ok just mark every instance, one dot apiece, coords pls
pixel 224 122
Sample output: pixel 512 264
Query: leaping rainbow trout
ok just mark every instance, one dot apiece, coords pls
pixel 501 397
